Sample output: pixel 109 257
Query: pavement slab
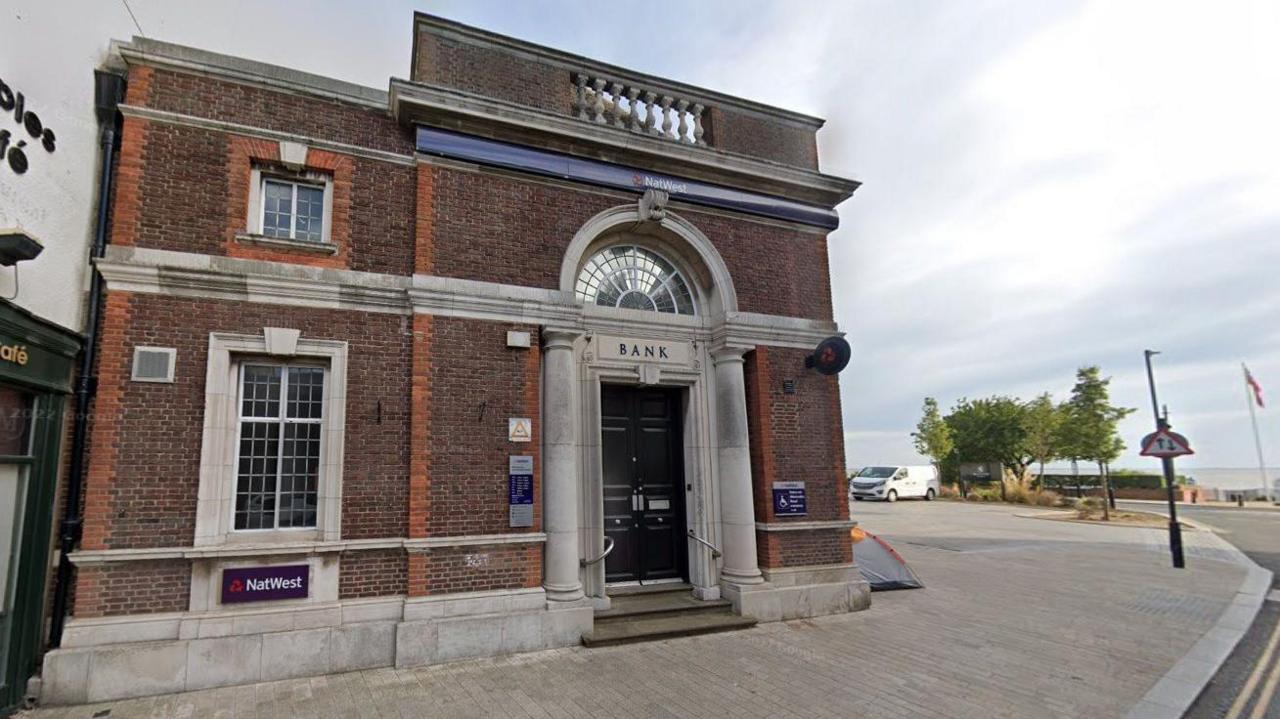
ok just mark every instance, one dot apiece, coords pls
pixel 1020 617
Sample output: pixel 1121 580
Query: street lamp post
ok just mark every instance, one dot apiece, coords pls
pixel 1162 423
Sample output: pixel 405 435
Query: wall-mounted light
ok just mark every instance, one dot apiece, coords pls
pixel 830 356
pixel 16 246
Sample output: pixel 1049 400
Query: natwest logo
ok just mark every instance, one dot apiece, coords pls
pixel 267 583
pixel 260 585
pixel 659 183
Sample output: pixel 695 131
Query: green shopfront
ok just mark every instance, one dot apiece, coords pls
pixel 36 360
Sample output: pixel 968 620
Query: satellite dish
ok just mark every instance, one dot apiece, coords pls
pixel 830 356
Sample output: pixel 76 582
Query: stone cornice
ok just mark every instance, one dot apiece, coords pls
pixel 489 117
pixel 181 274
pixel 750 328
pixel 475 540
pixel 145 51
pixel 491 301
pixel 174 118
pixel 87 557
pixel 233 550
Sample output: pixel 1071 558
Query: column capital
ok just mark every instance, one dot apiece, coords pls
pixel 729 352
pixel 560 337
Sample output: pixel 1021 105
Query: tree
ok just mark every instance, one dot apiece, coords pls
pixel 991 430
pixel 1042 420
pixel 932 437
pixel 1090 427
pixel 1112 454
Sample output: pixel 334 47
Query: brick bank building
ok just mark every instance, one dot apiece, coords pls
pixel 397 378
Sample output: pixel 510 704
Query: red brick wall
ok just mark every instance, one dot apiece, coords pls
pixel 755 136
pixel 105 420
pixel 133 588
pixel 144 462
pixel 775 270
pixel 375 573
pixel 176 191
pixel 495 228
pixel 243 154
pixel 424 234
pixel 491 72
pixel 294 113
pixel 187 189
pixel 502 229
pixel 796 437
pixel 803 548
pixel 475 384
pixel 480 568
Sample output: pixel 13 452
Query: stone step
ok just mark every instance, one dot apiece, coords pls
pixel 659 603
pixel 650 627
pixel 628 590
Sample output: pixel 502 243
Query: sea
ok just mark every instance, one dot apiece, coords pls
pixel 1224 478
pixel 1243 478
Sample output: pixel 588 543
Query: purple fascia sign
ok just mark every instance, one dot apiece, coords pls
pixel 260 584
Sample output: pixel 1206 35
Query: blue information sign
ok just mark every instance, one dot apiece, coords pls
pixel 788 499
pixel 521 486
pixel 520 490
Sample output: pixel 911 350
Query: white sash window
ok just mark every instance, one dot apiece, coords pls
pixel 278 461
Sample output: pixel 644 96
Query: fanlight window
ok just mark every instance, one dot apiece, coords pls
pixel 634 278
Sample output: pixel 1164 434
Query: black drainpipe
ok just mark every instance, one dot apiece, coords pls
pixel 108 92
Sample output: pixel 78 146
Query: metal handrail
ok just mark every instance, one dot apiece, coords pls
pixel 715 553
pixel 608 548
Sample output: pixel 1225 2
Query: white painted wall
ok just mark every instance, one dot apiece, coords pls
pixel 49 53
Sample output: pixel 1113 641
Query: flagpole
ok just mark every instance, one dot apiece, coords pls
pixel 1257 439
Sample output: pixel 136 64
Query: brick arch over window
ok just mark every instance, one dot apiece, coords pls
pixel 674 237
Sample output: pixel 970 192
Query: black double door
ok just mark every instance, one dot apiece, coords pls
pixel 643 483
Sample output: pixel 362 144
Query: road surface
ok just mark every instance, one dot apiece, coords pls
pixel 1256 532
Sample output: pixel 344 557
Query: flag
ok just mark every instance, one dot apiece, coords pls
pixel 1253 385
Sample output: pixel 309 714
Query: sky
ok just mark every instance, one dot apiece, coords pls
pixel 1047 185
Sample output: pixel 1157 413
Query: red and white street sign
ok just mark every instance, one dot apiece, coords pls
pixel 1165 443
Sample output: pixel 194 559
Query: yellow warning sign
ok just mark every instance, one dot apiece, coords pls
pixel 519 429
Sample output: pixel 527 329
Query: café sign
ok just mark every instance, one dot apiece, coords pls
pixel 13 144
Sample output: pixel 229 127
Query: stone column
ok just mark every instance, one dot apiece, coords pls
pixel 737 508
pixel 560 466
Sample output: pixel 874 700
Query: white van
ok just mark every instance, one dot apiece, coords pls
pixel 894 483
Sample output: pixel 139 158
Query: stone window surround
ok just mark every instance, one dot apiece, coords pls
pixel 215 503
pixel 258 176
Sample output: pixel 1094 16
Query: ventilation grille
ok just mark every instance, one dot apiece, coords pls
pixel 153 364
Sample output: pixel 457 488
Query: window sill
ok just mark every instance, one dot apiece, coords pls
pixel 232 550
pixel 280 243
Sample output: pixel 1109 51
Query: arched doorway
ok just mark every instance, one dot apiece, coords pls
pixel 656 416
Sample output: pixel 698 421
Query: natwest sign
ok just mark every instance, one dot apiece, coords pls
pixel 260 584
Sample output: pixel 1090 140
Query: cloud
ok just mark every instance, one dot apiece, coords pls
pixel 1047 184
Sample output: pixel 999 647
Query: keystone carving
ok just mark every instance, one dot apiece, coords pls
pixel 653 205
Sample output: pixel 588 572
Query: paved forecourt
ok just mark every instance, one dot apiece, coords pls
pixel 1021 618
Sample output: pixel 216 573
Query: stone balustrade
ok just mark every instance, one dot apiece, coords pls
pixel 619 104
